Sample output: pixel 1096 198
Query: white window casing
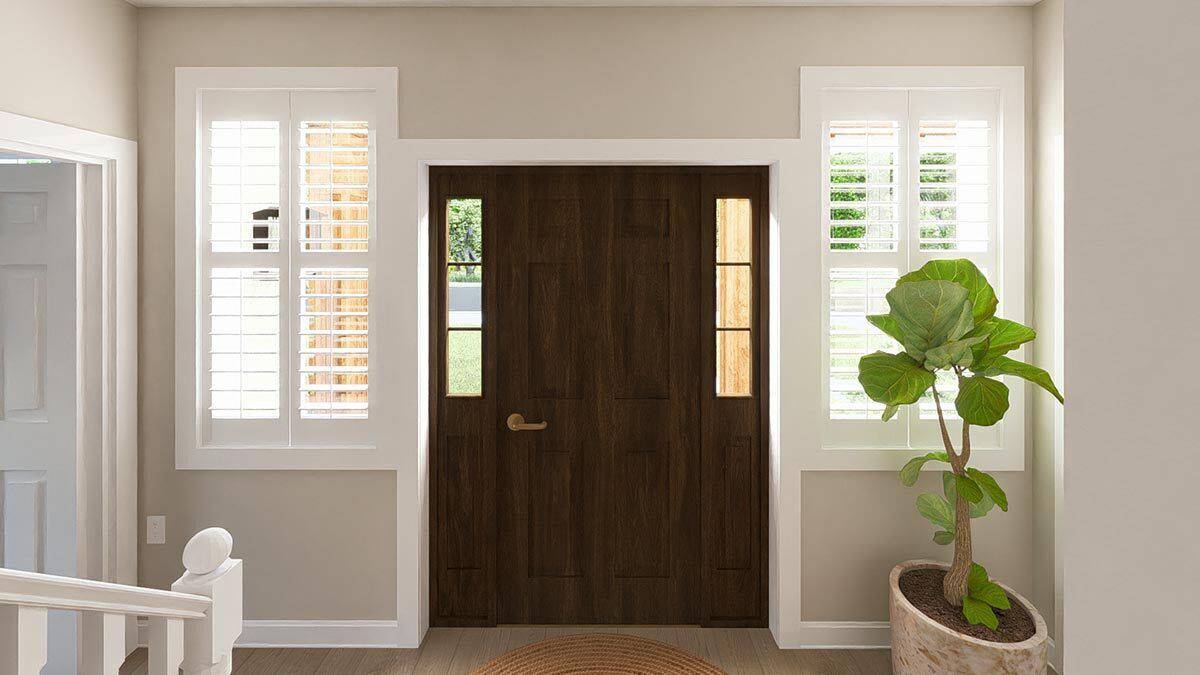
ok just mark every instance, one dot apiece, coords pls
pixel 277 220
pixel 913 164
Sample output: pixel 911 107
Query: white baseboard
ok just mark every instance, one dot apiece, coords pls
pixel 285 633
pixel 841 635
pixel 366 633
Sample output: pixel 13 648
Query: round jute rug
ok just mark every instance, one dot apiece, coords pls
pixel 598 653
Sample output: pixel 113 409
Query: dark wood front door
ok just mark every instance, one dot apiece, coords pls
pixel 610 315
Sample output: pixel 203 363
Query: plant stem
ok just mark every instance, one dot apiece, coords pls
pixel 954 586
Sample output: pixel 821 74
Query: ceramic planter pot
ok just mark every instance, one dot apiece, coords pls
pixel 922 645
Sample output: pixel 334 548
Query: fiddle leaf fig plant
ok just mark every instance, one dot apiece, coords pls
pixel 944 317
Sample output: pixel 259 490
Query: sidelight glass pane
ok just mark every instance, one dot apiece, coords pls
pixel 733 230
pixel 733 296
pixel 464 363
pixel 733 363
pixel 464 230
pixel 464 296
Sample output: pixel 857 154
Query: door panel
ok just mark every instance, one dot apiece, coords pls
pixel 596 325
pixel 38 382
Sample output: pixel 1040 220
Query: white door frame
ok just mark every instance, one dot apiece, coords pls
pixel 411 160
pixel 107 437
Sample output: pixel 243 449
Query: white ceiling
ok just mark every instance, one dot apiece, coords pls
pixel 571 3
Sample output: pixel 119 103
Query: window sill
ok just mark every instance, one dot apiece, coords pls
pixel 891 459
pixel 325 457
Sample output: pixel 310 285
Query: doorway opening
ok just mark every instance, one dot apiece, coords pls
pixel 598 406
pixel 68 355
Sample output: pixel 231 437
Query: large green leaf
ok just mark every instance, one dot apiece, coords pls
pixel 912 468
pixel 978 612
pixel 991 593
pixel 966 274
pixel 968 489
pixel 888 325
pixel 953 353
pixel 893 379
pixel 1003 336
pixel 978 509
pixel 976 576
pixel 981 401
pixel 1005 366
pixel 929 313
pixel 990 487
pixel 936 509
pixel 981 588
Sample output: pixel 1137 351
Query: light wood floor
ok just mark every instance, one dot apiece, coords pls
pixel 458 650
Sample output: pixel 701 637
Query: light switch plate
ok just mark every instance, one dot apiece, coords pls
pixel 156 529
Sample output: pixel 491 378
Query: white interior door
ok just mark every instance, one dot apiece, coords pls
pixel 38 381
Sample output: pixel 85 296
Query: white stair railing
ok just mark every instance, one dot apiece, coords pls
pixel 193 626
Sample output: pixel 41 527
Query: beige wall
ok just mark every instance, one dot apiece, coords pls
pixel 1131 460
pixel 533 73
pixel 1047 124
pixel 71 62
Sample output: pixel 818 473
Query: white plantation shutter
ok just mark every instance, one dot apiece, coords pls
pixel 955 179
pixel 287 211
pixel 243 185
pixel 334 329
pixel 244 343
pixel 334 185
pixel 855 292
pixel 908 176
pixel 864 185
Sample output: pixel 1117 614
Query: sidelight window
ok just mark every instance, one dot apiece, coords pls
pixel 464 296
pixel 734 296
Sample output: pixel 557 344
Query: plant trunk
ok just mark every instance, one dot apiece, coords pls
pixel 954 586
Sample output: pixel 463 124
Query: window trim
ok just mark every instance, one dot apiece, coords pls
pixel 1010 224
pixel 191 452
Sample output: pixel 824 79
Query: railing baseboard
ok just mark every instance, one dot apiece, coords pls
pixel 356 633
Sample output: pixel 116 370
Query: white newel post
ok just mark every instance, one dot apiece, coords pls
pixel 208 642
pixel 22 640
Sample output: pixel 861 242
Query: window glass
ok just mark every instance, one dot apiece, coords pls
pixel 864 185
pixel 954 192
pixel 464 296
pixel 334 186
pixel 244 343
pixel 734 296
pixel 243 186
pixel 334 350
